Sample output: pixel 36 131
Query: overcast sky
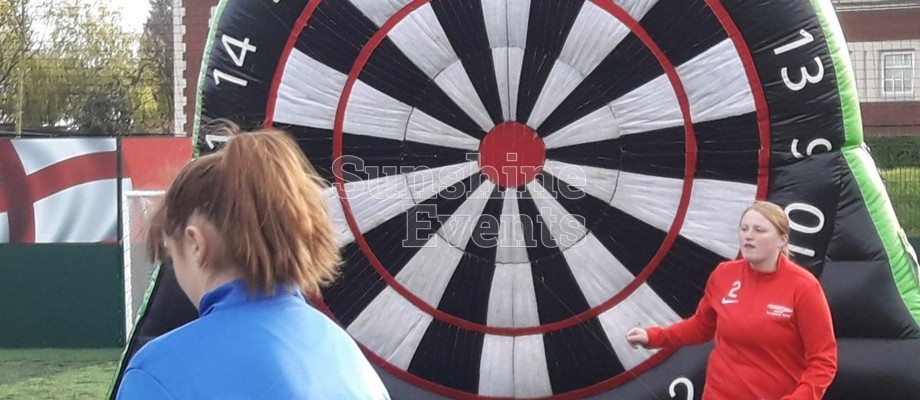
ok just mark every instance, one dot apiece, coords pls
pixel 133 12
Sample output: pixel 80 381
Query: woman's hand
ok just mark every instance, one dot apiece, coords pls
pixel 637 337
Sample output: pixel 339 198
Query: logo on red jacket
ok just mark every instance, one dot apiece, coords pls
pixel 776 310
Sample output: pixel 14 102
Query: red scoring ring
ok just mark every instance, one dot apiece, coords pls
pixel 670 238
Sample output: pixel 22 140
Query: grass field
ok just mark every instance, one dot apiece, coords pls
pixel 903 185
pixel 56 374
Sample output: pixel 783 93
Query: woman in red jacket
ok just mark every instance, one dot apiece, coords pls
pixel 774 339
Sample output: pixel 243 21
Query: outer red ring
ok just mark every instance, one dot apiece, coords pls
pixel 689 170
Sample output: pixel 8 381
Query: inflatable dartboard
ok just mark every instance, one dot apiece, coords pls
pixel 516 183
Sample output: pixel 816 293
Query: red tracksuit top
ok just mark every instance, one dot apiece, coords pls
pixel 774 339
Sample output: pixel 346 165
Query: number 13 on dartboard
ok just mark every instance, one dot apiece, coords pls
pixel 237 50
pixel 806 76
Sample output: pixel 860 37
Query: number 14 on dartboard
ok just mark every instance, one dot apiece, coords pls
pixel 237 50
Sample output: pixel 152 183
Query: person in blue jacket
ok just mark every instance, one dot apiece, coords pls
pixel 247 231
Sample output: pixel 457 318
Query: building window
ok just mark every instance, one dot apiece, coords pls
pixel 897 72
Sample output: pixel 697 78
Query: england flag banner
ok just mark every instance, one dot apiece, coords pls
pixel 58 190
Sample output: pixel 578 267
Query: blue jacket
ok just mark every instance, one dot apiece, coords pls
pixel 266 347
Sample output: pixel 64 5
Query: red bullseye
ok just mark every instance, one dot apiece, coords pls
pixel 511 154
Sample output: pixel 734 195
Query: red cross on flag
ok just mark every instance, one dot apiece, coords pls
pixel 58 190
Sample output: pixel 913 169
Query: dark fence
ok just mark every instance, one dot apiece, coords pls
pixel 61 295
pixel 898 160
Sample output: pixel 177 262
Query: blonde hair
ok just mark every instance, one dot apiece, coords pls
pixel 266 202
pixel 775 215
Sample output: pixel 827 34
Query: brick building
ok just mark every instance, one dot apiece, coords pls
pixel 883 37
pixel 191 23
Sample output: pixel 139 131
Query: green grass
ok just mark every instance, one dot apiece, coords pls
pixel 56 374
pixel 903 186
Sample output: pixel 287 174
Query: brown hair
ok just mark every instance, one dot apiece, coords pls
pixel 266 202
pixel 775 215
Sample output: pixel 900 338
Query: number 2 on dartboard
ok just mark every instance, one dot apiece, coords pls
pixel 681 381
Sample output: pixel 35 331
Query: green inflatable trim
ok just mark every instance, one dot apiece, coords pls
pixel 141 311
pixel 901 257
pixel 203 75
